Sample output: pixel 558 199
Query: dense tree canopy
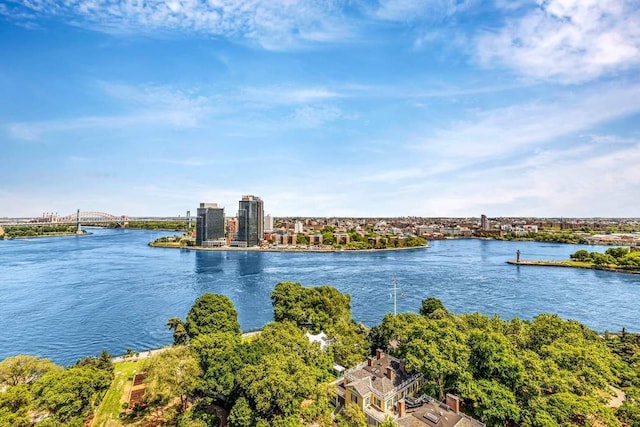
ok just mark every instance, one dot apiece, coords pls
pixel 24 369
pixel 545 372
pixel 171 373
pixel 612 257
pixel 69 395
pixel 212 313
pixel 314 307
pixel 322 309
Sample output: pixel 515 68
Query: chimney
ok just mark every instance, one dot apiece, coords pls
pixel 403 367
pixel 453 402
pixel 369 361
pixel 391 374
pixel 379 354
pixel 401 408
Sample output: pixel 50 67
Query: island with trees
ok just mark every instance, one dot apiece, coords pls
pixel 619 260
pixel 30 231
pixel 327 239
pixel 544 372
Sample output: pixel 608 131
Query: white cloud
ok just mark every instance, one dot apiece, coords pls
pixel 502 131
pixel 146 106
pixel 274 24
pixel 317 115
pixel 569 41
pixel 286 95
pixel 412 10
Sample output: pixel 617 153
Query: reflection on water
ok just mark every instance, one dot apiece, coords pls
pixel 112 291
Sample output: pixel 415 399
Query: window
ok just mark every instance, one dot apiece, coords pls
pixel 366 401
pixel 354 398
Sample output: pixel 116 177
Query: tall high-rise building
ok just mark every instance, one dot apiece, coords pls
pixel 298 227
pixel 485 225
pixel 209 224
pixel 251 220
pixel 268 224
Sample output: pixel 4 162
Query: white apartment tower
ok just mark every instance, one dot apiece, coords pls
pixel 268 224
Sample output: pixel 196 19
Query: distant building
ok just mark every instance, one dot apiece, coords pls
pixel 268 224
pixel 250 221
pixel 298 228
pixel 232 229
pixel 485 224
pixel 210 225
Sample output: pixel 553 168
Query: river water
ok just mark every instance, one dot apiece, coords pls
pixel 69 297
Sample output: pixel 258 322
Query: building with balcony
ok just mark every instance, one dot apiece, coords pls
pixel 377 385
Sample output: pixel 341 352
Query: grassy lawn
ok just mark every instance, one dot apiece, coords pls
pixel 581 264
pixel 107 413
pixel 166 244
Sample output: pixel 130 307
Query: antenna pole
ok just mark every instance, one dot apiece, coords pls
pixel 395 296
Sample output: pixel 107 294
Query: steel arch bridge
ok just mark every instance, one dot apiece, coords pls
pixel 91 217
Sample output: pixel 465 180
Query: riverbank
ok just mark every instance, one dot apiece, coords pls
pixel 61 234
pixel 175 245
pixel 574 264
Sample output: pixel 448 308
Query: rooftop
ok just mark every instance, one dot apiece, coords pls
pixel 381 374
pixel 436 414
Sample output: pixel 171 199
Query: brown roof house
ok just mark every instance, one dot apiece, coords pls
pixel 382 388
pixel 377 385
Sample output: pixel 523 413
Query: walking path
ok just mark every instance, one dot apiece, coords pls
pixel 147 353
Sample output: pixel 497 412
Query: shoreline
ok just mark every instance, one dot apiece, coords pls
pixel 565 264
pixel 84 233
pixel 296 250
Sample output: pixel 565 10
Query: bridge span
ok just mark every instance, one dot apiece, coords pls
pixel 89 217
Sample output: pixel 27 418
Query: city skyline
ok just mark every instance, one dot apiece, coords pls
pixel 339 109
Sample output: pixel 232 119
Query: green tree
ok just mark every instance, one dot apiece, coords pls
pixel 172 373
pixel 277 385
pixel 430 305
pixel 602 259
pixel 581 255
pixel 15 404
pixel 492 402
pixel 491 356
pixel 69 395
pixel 102 362
pixel 439 352
pixel 388 422
pixel 212 313
pixel 23 369
pixel 327 238
pixel 352 416
pixel 617 253
pixel 348 343
pixel 629 414
pixel 219 359
pixel 285 338
pixel 180 335
pixel 318 308
pixel 241 414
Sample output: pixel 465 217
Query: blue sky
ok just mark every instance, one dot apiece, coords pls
pixel 327 108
